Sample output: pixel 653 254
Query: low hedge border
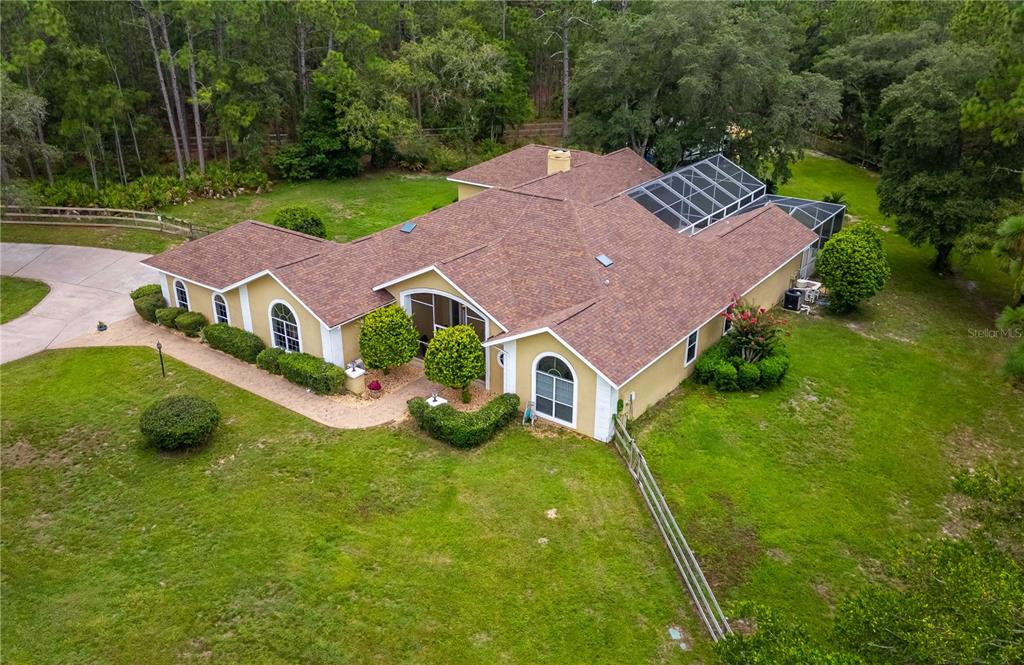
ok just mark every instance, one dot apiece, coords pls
pixel 191 323
pixel 464 429
pixel 314 373
pixel 236 342
pixel 168 315
pixel 269 360
pixel 147 306
pixel 146 290
pixel 729 373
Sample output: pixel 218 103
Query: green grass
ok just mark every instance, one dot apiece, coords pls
pixel 794 497
pixel 18 296
pixel 284 541
pixel 129 240
pixel 351 208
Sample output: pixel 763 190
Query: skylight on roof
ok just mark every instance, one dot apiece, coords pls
pixel 408 227
pixel 604 260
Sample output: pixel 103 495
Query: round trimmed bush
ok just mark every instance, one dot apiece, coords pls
pixel 147 306
pixel 181 421
pixel 853 267
pixel 301 219
pixel 704 369
pixel 146 290
pixel 268 359
pixel 726 377
pixel 747 376
pixel 168 315
pixel 388 338
pixel 454 358
pixel 191 323
pixel 773 368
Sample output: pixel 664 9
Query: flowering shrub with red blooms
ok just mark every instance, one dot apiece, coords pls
pixel 374 385
pixel 755 330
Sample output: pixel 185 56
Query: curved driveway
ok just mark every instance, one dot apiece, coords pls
pixel 87 285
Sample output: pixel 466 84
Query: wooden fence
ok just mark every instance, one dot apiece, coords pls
pixel 113 217
pixel 686 563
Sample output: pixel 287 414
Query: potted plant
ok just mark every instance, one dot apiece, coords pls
pixel 373 388
pixel 100 326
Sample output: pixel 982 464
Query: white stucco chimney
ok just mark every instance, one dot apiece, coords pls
pixel 558 160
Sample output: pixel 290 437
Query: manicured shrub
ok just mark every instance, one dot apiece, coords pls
pixel 268 359
pixel 239 343
pixel 167 315
pixel 146 290
pixel 726 377
pixel 747 376
pixel 454 358
pixel 388 338
pixel 191 323
pixel 314 373
pixel 181 421
pixel 772 369
pixel 465 429
pixel 301 219
pixel 704 369
pixel 755 330
pixel 853 267
pixel 147 306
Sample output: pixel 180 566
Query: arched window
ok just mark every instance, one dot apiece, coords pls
pixel 555 390
pixel 220 309
pixel 284 327
pixel 180 294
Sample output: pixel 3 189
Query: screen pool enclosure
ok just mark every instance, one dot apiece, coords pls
pixel 694 197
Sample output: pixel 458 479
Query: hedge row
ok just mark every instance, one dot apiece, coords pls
pixel 464 429
pixel 314 373
pixel 190 323
pixel 269 360
pixel 239 343
pixel 728 373
pixel 147 306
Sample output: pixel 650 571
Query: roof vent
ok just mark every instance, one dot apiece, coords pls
pixel 408 227
pixel 604 260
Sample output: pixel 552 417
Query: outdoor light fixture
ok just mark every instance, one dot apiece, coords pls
pixel 160 350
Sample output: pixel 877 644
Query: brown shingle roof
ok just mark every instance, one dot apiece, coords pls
pixel 517 167
pixel 527 256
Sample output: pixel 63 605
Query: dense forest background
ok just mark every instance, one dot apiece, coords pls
pixel 105 103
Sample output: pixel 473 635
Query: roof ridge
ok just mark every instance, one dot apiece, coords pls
pixel 760 212
pixel 284 230
pixel 464 254
pixel 291 263
pixel 531 194
pixel 585 242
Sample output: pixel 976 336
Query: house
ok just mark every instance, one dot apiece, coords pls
pixel 589 278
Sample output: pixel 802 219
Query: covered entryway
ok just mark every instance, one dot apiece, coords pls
pixel 433 311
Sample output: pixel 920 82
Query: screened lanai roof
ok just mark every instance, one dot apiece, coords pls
pixel 825 219
pixel 698 195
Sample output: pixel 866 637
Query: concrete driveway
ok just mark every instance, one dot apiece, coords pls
pixel 87 284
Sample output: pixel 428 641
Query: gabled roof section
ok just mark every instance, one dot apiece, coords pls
pixel 516 167
pixel 236 253
pixel 595 180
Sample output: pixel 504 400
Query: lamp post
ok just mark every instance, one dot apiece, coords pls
pixel 160 351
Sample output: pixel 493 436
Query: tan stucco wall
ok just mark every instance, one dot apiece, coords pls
pixel 200 299
pixel 527 350
pixel 668 372
pixel 469 191
pixel 265 290
pixel 350 340
pixel 497 374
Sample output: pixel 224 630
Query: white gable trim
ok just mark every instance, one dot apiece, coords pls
pixel 421 271
pixel 545 329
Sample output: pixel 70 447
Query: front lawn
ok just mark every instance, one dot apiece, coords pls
pixel 284 541
pixel 128 240
pixel 351 208
pixel 793 497
pixel 18 296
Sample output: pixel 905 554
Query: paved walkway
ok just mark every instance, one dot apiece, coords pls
pixel 89 284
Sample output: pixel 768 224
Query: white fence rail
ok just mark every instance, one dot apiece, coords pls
pixel 132 219
pixel 685 561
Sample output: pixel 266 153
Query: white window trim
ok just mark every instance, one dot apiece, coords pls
pixel 696 348
pixel 270 322
pixel 575 389
pixel 213 301
pixel 177 300
pixel 726 324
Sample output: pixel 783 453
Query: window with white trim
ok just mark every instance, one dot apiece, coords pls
pixel 180 294
pixel 727 326
pixel 284 328
pixel 691 347
pixel 501 359
pixel 220 309
pixel 555 387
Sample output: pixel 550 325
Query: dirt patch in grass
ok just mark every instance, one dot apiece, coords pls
pixel 730 549
pixel 968 449
pixel 22 455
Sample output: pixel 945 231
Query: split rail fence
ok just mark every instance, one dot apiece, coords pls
pixel 114 217
pixel 686 563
